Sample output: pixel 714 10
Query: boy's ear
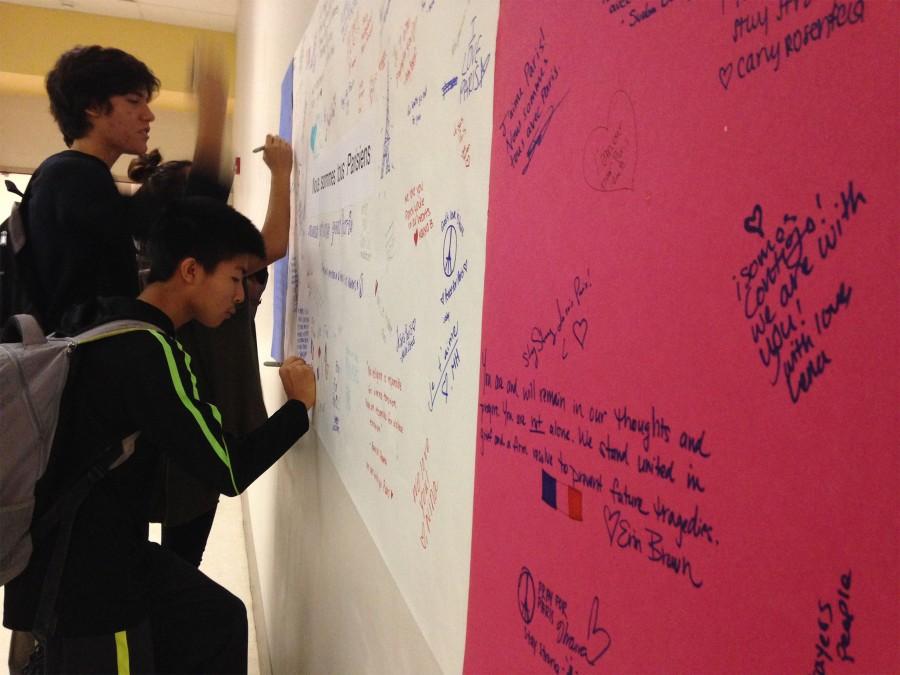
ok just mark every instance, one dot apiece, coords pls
pixel 98 109
pixel 190 270
pixel 95 110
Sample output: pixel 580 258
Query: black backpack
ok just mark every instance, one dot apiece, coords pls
pixel 17 276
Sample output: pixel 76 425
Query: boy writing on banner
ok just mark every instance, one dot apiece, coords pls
pixel 122 597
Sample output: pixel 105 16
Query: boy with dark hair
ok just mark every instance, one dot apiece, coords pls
pixel 186 507
pixel 80 229
pixel 83 82
pixel 122 597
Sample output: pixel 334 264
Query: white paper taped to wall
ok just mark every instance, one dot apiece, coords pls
pixel 392 129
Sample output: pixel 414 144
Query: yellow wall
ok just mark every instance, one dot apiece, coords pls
pixel 32 38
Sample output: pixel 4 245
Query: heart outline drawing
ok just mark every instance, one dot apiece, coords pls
pixel 725 75
pixel 610 155
pixel 576 326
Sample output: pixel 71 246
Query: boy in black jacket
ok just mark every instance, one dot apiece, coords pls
pixel 123 598
pixel 80 229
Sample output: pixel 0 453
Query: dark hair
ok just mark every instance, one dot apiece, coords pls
pixel 203 228
pixel 163 181
pixel 88 76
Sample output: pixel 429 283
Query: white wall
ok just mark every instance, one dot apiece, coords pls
pixel 324 600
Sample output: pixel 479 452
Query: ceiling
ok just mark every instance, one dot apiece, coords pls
pixel 218 15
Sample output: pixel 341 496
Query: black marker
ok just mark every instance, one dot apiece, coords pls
pixel 259 149
pixel 273 364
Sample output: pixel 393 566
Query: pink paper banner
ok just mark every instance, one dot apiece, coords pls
pixel 690 320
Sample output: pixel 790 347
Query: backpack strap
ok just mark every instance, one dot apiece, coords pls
pixel 23 327
pixel 26 329
pixel 112 328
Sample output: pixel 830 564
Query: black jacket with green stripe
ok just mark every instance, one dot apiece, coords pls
pixel 137 381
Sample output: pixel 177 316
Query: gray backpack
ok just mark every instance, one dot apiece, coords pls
pixel 33 375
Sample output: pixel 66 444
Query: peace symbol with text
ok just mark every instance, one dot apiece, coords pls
pixel 526 595
pixel 450 243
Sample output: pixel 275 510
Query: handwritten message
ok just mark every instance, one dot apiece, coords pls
pixel 405 53
pixel 448 360
pixel 749 30
pixel 638 12
pixel 351 282
pixel 365 96
pixel 415 107
pixel 357 36
pixel 568 326
pixel 406 339
pixel 835 628
pixel 459 132
pixel 383 486
pixel 345 99
pixel 328 230
pixel 637 479
pixel 381 400
pixel 527 118
pixel 303 322
pixel 474 67
pixel 417 214
pixel 425 495
pixel 584 642
pixel 610 153
pixel 788 339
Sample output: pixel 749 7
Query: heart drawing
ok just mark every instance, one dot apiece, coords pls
pixel 611 519
pixel 579 330
pixel 725 75
pixel 610 152
pixel 753 223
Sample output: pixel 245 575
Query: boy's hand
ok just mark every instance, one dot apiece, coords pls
pixel 210 85
pixel 299 380
pixel 278 155
pixel 209 78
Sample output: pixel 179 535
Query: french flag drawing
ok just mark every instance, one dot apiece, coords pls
pixel 560 496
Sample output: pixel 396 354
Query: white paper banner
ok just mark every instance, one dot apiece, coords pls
pixel 392 129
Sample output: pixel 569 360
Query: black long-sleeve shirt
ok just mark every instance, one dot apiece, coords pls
pixel 80 234
pixel 138 381
pixel 81 231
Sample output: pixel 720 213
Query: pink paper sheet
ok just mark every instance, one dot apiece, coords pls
pixel 690 320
